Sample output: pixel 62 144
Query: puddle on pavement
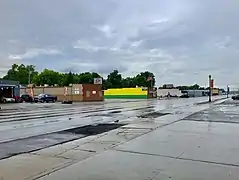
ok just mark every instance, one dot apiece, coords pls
pixel 93 129
pixel 124 113
pixel 115 112
pixel 26 145
pixel 153 115
pixel 224 113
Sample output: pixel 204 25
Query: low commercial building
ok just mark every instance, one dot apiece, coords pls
pixel 9 88
pixel 166 92
pixel 168 86
pixel 196 93
pixel 75 93
pixel 199 93
pixel 130 93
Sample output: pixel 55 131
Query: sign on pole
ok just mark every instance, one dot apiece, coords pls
pixel 98 81
pixel 77 91
pixel 212 83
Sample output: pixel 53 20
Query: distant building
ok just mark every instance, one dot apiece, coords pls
pixel 196 93
pixel 168 86
pixel 75 93
pixel 166 92
pixel 9 88
pixel 130 93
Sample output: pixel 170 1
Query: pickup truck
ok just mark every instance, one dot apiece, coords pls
pixel 46 98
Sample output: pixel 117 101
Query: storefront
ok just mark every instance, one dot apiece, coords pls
pixel 75 93
pixel 9 88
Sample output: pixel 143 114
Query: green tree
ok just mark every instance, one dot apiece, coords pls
pixel 192 87
pixel 85 78
pixel 49 77
pixel 129 82
pixel 21 73
pixel 142 79
pixel 195 86
pixel 106 84
pixel 115 79
pixel 68 79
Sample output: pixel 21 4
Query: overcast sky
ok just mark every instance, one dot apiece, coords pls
pixel 180 41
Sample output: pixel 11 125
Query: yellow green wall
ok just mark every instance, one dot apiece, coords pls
pixel 126 93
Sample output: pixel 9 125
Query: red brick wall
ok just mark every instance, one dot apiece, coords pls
pixel 92 92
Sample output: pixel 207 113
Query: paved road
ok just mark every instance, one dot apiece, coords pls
pixel 151 139
pixel 201 146
pixel 29 127
pixel 25 120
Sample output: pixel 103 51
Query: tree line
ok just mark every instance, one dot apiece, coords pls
pixel 26 74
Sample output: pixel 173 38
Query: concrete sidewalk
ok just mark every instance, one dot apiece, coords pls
pixel 178 146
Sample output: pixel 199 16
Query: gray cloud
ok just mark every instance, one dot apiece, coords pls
pixel 180 41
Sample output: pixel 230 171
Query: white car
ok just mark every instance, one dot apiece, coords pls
pixel 8 100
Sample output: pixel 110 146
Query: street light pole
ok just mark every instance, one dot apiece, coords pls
pixel 228 91
pixel 210 90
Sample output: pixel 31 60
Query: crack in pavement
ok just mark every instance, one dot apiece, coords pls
pixel 214 121
pixel 173 157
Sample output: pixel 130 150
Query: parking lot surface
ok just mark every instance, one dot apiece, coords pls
pixel 169 139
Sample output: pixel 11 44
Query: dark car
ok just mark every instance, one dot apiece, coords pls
pixel 27 98
pixel 35 99
pixel 46 98
pixel 236 97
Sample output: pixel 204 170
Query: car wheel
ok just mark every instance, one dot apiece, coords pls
pixel 4 101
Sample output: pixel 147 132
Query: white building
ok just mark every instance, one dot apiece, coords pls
pixel 171 92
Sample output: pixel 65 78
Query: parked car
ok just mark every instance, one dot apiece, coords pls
pixel 184 96
pixel 18 99
pixel 27 98
pixel 236 97
pixel 35 99
pixel 46 98
pixel 7 100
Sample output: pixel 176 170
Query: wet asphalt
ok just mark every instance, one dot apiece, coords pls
pixel 29 127
pixel 201 146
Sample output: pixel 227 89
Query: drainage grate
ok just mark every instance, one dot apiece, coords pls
pixel 26 145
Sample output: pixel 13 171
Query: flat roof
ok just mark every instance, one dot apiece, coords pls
pixel 7 85
pixel 10 82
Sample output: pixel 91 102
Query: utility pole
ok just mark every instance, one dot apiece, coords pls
pixel 228 90
pixel 210 89
pixel 29 76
